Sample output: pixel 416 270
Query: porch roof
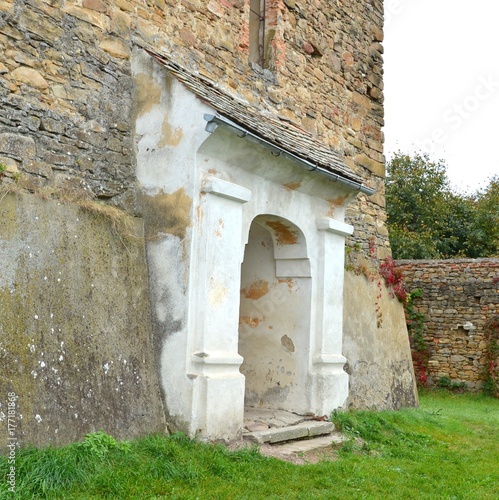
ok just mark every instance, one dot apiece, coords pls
pixel 278 132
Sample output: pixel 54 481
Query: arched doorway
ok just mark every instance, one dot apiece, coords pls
pixel 275 309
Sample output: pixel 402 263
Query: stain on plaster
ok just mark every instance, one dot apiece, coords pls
pixel 287 343
pixel 251 321
pixel 292 186
pixel 147 93
pixel 256 290
pixel 169 136
pixel 335 203
pixel 217 294
pixel 166 214
pixel 274 395
pixel 288 281
pixel 218 232
pixel 283 234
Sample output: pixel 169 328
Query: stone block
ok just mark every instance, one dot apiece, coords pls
pixel 9 164
pixel 299 431
pixel 97 5
pixel 124 5
pixel 374 166
pixel 30 77
pixel 42 26
pixel 6 5
pixel 92 17
pixel 115 47
pixel 38 168
pixel 17 146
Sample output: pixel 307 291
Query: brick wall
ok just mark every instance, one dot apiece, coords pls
pixel 66 94
pixel 459 297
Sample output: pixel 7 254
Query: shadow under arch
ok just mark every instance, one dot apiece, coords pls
pixel 275 312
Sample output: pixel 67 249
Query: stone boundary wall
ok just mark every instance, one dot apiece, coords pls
pixel 458 297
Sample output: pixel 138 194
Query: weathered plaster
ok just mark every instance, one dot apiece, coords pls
pixel 228 185
pixel 381 373
pixel 167 214
pixel 274 342
pixel 75 331
pixel 114 123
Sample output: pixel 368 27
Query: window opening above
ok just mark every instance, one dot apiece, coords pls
pixel 257 31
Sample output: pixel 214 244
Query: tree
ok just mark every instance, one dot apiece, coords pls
pixel 428 220
pixel 486 231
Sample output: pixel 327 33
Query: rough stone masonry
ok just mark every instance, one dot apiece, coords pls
pixel 67 93
pixel 459 297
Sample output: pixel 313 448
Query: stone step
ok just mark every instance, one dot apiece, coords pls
pixel 302 430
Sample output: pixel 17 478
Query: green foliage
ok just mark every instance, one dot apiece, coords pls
pixel 40 472
pixel 428 220
pixel 420 350
pixel 415 322
pixel 447 383
pixel 99 444
pixel 492 357
pixel 486 230
pixel 382 428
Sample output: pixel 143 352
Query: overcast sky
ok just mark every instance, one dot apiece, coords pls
pixel 442 84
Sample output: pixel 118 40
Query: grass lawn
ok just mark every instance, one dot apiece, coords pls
pixel 447 448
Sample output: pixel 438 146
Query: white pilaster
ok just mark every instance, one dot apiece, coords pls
pixel 218 394
pixel 329 380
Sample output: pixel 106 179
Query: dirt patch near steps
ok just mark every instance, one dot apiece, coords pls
pixel 327 453
pixel 303 451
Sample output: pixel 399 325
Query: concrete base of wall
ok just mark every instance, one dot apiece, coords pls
pixel 75 329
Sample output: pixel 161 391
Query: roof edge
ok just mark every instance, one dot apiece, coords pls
pixel 214 120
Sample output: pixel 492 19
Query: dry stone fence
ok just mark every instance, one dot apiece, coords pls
pixel 459 298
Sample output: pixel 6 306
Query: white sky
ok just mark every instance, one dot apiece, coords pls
pixel 442 84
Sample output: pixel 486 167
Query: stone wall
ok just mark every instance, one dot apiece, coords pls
pixel 65 114
pixel 458 298
pixel 65 84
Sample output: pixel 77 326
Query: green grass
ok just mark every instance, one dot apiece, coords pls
pixel 446 449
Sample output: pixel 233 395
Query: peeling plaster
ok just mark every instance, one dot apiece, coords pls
pixel 256 290
pixel 167 214
pixel 287 343
pixel 251 321
pixel 283 234
pixel 170 136
pixel 148 93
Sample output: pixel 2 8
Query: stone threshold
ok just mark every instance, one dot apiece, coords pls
pixel 263 425
pixel 302 430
